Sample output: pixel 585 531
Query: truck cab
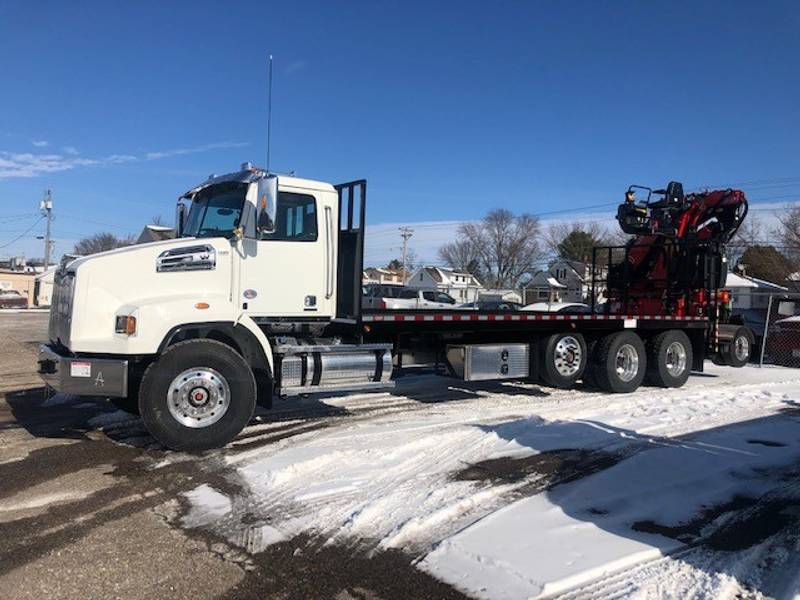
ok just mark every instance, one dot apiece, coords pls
pixel 261 264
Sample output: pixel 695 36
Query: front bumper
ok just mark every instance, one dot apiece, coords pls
pixel 83 376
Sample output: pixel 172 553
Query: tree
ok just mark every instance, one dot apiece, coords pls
pixel 157 220
pixel 505 247
pixel 411 262
pixel 788 232
pixel 462 255
pixel 100 242
pixel 575 241
pixel 748 236
pixel 767 263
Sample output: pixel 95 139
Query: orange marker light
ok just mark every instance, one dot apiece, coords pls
pixel 201 305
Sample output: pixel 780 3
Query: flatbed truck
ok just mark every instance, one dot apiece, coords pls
pixel 260 294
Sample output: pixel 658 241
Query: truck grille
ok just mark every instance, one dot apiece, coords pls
pixel 61 308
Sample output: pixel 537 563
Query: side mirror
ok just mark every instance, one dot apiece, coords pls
pixel 266 204
pixel 180 217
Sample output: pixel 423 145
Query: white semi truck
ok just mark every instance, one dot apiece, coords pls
pixel 260 294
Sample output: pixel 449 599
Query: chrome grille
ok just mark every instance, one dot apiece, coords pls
pixel 61 307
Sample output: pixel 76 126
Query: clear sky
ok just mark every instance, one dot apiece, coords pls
pixel 447 108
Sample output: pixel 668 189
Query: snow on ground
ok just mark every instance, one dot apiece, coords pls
pixel 513 491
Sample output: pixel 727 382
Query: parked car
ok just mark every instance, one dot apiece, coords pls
pixel 495 305
pixel 783 342
pixel 559 307
pixel 12 299
pixel 379 296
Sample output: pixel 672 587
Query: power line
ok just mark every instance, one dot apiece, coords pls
pixel 27 231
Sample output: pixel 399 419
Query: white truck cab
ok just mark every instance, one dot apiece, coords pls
pixel 256 256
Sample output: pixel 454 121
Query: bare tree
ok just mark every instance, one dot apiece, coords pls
pixel 462 254
pixel 100 242
pixel 506 247
pixel 747 237
pixel 157 220
pixel 788 232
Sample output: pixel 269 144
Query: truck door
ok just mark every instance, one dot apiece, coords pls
pixel 283 274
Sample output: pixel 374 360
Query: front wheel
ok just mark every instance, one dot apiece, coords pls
pixel 198 395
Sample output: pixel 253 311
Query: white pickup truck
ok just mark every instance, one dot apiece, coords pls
pixel 401 297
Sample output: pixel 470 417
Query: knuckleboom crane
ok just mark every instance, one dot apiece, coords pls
pixel 675 264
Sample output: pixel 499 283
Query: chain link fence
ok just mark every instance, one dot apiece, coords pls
pixel 775 321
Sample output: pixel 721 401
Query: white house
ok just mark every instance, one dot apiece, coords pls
pixel 464 287
pixel 384 276
pixel 749 292
pixel 564 281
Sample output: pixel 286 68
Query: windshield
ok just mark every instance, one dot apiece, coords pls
pixel 216 211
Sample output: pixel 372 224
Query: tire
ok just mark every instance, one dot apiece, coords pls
pixel 609 374
pixel 563 359
pixel 741 348
pixel 198 395
pixel 669 359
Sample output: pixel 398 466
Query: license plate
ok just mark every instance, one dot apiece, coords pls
pixel 80 369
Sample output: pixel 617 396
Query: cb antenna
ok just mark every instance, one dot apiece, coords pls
pixel 269 113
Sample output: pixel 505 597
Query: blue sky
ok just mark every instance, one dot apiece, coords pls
pixel 447 108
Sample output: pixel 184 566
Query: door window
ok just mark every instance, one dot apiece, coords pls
pixel 429 296
pixel 296 219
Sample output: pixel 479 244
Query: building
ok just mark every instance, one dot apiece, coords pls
pixel 462 286
pixel 21 281
pixel 155 233
pixel 496 295
pixel 751 293
pixel 43 288
pixel 543 287
pixel 384 276
pixel 564 281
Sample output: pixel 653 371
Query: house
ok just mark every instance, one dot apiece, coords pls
pixel 751 293
pixel 155 233
pixel 462 286
pixel 494 295
pixel 543 287
pixel 564 281
pixel 384 276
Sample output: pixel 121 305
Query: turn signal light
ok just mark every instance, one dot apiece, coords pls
pixel 126 324
pixel 724 296
pixel 201 305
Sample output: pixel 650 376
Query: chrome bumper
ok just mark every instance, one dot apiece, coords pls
pixel 83 376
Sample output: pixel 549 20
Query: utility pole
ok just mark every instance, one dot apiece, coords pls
pixel 405 233
pixel 46 207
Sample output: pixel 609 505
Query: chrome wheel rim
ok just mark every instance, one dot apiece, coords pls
pixel 676 359
pixel 741 347
pixel 198 397
pixel 567 356
pixel 627 362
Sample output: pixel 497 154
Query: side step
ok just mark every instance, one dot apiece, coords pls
pixel 306 369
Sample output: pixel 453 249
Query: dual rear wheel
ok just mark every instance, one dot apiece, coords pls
pixel 619 362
